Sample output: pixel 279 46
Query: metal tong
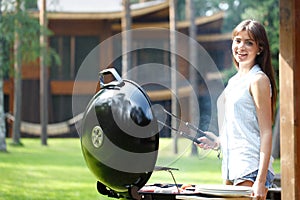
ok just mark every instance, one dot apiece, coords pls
pixel 199 132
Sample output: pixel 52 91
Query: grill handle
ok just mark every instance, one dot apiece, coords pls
pixel 110 71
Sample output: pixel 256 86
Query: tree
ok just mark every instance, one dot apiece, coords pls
pixel 190 16
pixel 126 38
pixel 43 75
pixel 2 115
pixel 174 86
pixel 17 78
pixel 21 32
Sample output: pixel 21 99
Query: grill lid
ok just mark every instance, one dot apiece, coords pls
pixel 119 135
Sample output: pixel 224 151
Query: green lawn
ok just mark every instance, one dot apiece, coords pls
pixel 58 171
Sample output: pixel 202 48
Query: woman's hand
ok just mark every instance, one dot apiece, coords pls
pixel 259 190
pixel 210 141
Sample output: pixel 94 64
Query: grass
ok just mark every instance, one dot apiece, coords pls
pixel 58 171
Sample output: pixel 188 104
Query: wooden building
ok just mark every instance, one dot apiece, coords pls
pixel 77 32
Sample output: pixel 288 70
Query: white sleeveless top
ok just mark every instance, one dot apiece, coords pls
pixel 240 135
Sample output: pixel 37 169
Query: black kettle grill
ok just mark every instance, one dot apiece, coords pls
pixel 119 136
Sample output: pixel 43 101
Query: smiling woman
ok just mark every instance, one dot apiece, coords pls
pixel 248 102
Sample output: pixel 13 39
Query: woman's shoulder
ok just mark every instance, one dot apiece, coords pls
pixel 260 83
pixel 260 78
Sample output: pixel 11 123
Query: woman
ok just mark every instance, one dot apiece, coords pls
pixel 249 103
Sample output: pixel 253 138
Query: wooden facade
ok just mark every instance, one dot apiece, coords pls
pixel 75 34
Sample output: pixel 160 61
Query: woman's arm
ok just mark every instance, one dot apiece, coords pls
pixel 261 93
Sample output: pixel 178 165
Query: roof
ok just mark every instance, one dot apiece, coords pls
pixel 98 9
pixel 153 13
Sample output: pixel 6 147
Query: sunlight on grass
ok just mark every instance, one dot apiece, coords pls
pixel 35 172
pixel 204 168
pixel 58 171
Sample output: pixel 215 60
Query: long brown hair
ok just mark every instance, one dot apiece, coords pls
pixel 258 33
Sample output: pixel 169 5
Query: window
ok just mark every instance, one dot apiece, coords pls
pixel 72 51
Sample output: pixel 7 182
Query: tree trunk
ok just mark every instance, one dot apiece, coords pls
pixel 126 38
pixel 2 115
pixel 174 87
pixel 190 17
pixel 2 118
pixel 43 75
pixel 17 82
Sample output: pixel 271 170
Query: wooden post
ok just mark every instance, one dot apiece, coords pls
pixel 289 71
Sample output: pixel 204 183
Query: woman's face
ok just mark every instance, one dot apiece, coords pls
pixel 244 49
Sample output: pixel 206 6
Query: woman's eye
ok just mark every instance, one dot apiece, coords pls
pixel 237 40
pixel 249 43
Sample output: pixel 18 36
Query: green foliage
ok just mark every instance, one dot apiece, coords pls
pixel 268 14
pixel 235 10
pixel 30 4
pixel 5 60
pixel 18 21
pixel 202 8
pixel 228 73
